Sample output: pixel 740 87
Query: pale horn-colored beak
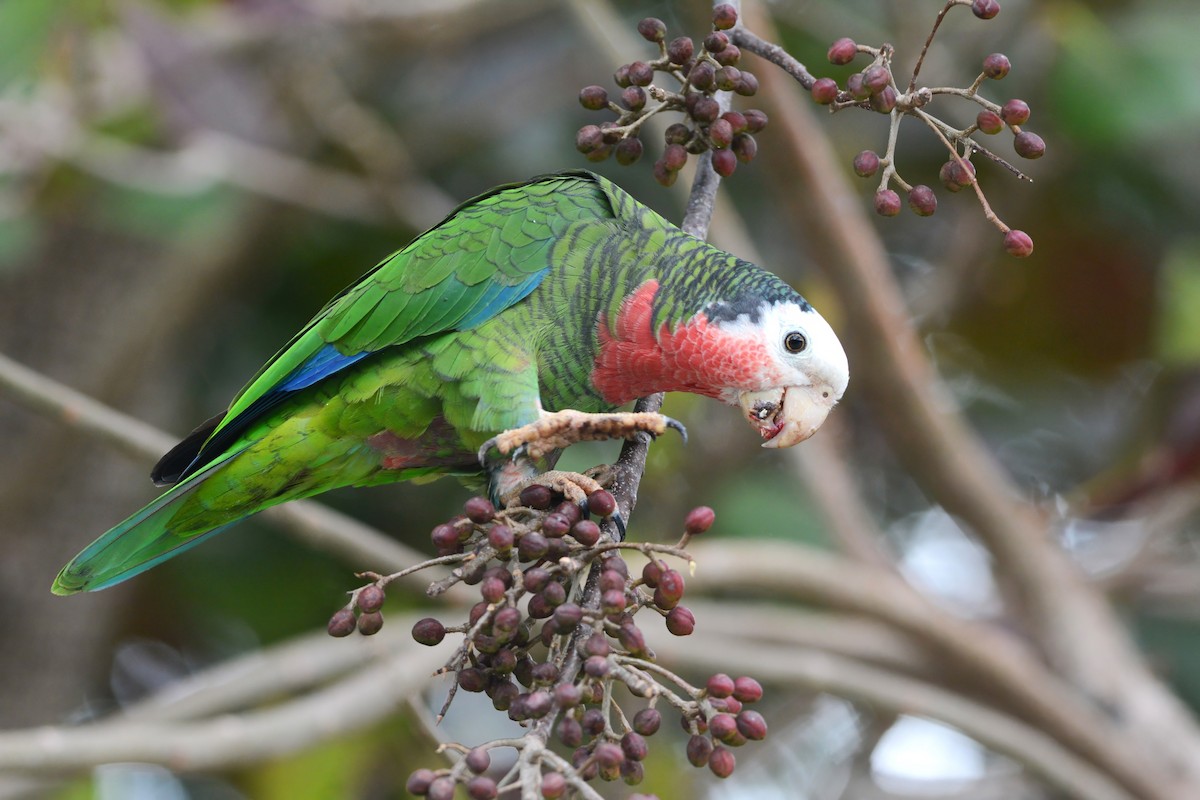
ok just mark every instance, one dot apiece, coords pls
pixel 784 417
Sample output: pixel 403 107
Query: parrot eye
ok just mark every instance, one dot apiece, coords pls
pixel 795 342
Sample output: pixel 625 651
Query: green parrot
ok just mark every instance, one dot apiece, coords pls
pixel 559 293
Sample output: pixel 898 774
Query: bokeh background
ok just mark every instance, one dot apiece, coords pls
pixel 182 184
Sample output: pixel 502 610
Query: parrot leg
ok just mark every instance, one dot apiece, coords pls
pixel 559 429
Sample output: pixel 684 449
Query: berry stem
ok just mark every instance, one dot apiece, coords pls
pixel 937 23
pixel 990 215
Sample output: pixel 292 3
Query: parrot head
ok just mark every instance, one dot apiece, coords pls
pixel 767 351
pixel 804 375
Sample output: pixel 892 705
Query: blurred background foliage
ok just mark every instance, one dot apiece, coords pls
pixel 182 184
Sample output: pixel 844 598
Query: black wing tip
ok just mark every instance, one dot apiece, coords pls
pixel 175 463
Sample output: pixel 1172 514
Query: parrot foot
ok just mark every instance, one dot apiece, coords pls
pixel 560 429
pixel 576 487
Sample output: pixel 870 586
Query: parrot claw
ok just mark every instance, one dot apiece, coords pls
pixel 676 425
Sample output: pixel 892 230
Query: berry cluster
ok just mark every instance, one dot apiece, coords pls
pixel 701 75
pixel 554 633
pixel 875 87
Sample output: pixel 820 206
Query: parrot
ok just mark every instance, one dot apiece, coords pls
pixel 560 295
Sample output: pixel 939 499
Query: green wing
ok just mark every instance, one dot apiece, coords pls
pixel 485 256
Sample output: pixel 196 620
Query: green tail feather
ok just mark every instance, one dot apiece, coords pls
pixel 138 543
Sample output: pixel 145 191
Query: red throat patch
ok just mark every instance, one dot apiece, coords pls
pixel 698 356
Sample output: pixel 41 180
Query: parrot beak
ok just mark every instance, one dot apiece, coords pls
pixel 785 417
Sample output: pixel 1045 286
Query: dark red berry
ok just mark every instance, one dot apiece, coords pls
pixel 1015 112
pixel 593 98
pixel 612 602
pixel 428 632
pixel 985 9
pixel 555 594
pixel 613 561
pixel 824 91
pixel 996 66
pixel 586 532
pixel 634 746
pixel 631 638
pixel 481 788
pixel 681 621
pixel 568 695
pixel 884 101
pixel 724 162
pixel 570 732
pixel 1018 243
pixel 600 502
pixel 716 41
pixel 640 73
pixel 720 133
pixel 745 147
pixel 596 666
pixel 676 133
pixel 699 520
pixel 491 589
pixel 478 760
pixel 866 164
pixel 722 762
pixel 922 200
pixel 532 546
pixel 555 525
pixel 842 51
pixel 729 56
pixel 737 122
pixel 755 120
pixel 887 203
pixel 706 110
pixel 652 29
pixel 720 685
pixel 722 726
pixel 699 750
pixel 855 86
pixel 554 785
pixel 674 157
pixel 569 510
pixel 537 496
pixel 670 585
pixel 875 78
pixel 503 695
pixel 472 679
pixel 954 176
pixel 752 725
pixel 419 782
pixel 730 704
pixel 725 16
pixel 747 690
pixel 441 789
pixel 609 754
pixel 479 510
pixel 634 98
pixel 680 50
pixel 342 623
pixel 1029 145
pixel 445 537
pixel 647 721
pixel 506 620
pixel 621 76
pixel 728 77
pixel 664 176
pixel 747 85
pixel 592 722
pixel 600 153
pixel 535 579
pixel 596 645
pixel 651 573
pixel 989 122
